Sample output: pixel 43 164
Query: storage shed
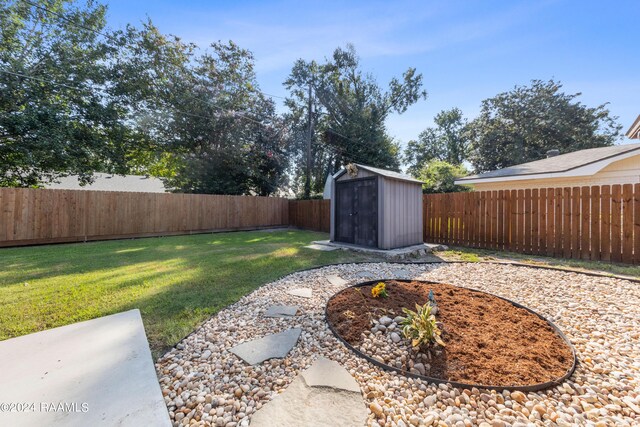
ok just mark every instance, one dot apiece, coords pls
pixel 376 208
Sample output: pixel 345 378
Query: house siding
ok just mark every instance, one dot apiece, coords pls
pixel 626 171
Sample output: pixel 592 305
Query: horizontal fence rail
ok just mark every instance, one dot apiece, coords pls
pixel 600 223
pixel 36 216
pixel 310 214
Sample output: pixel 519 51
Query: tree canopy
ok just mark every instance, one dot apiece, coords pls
pixel 76 98
pixel 447 141
pixel 349 113
pixel 439 177
pixel 523 124
pixel 59 114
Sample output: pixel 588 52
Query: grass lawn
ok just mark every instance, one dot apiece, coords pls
pixel 176 282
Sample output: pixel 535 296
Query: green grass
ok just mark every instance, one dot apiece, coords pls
pixel 475 255
pixel 176 282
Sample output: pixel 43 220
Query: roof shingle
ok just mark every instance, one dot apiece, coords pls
pixel 560 163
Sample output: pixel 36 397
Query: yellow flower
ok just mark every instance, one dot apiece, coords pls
pixel 379 290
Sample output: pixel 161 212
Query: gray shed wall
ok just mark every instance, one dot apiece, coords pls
pixel 401 213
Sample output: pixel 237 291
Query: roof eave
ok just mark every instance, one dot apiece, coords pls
pixel 584 170
pixel 634 130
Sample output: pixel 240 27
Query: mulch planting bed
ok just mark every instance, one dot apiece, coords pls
pixel 489 341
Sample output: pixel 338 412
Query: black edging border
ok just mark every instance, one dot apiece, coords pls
pixel 513 263
pixel 528 388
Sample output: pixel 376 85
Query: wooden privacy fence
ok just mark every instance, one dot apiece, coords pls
pixel 310 214
pixel 35 216
pixel 594 223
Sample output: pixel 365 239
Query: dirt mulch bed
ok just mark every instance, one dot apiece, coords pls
pixel 489 341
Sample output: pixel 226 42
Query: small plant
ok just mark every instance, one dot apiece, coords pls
pixel 379 290
pixel 420 326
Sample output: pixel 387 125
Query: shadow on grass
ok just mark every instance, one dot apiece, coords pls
pixel 176 282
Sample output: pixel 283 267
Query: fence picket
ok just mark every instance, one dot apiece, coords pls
pixel 627 223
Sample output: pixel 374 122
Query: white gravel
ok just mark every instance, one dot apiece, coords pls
pixel 204 384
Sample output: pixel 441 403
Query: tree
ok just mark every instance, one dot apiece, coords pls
pixel 448 141
pixel 523 124
pixel 439 177
pixel 350 110
pixel 76 98
pixel 58 115
pixel 224 135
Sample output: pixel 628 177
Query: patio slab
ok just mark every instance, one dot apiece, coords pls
pixel 267 347
pixel 101 371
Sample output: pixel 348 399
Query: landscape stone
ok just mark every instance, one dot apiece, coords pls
pixel 401 273
pixel 319 405
pixel 386 320
pixel 328 373
pixel 267 347
pixel 301 292
pixel 364 274
pixel 336 280
pixel 281 311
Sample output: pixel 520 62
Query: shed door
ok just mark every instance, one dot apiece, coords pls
pixel 357 211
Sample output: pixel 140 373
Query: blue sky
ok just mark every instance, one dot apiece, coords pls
pixel 466 51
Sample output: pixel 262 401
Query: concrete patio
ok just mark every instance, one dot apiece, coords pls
pixel 94 373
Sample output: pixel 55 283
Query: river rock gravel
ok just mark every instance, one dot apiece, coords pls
pixel 204 384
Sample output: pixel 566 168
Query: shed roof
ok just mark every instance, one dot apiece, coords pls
pixel 560 164
pixel 108 182
pixel 383 172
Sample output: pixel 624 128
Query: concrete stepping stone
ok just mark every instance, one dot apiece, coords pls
pixel 301 292
pixel 323 395
pixel 401 273
pixel 281 311
pixel 268 347
pixel 325 248
pixel 364 274
pixel 328 373
pixel 336 280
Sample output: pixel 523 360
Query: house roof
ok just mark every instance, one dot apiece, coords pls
pixel 577 163
pixel 108 182
pixel 384 172
pixel 634 130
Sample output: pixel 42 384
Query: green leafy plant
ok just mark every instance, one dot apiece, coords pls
pixel 420 326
